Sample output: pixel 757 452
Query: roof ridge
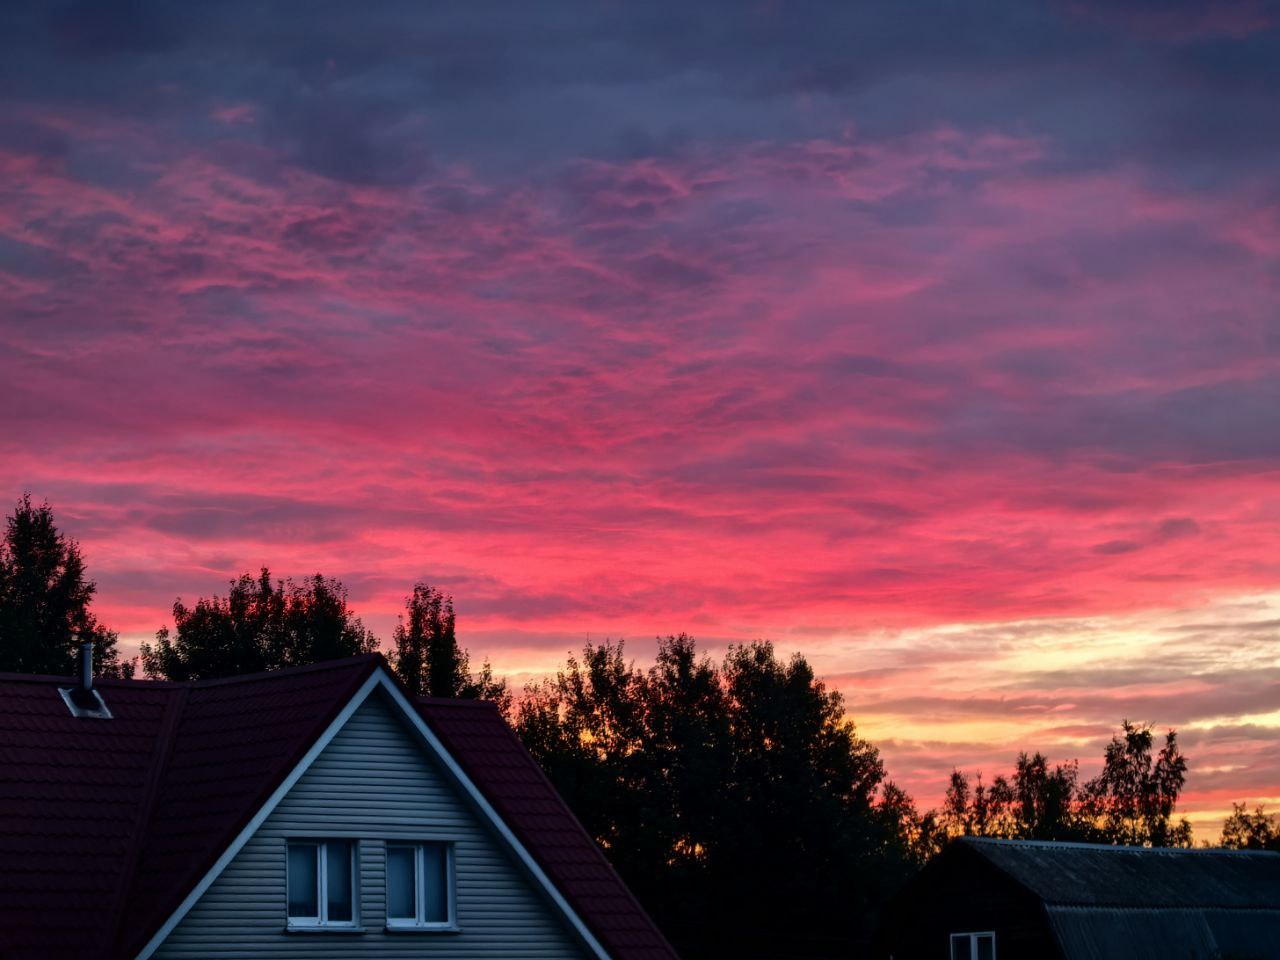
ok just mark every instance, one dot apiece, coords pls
pixel 1116 848
pixel 1145 908
pixel 46 678
pixel 64 679
pixel 289 671
pixel 165 740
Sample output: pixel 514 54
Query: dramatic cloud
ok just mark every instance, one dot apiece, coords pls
pixel 945 349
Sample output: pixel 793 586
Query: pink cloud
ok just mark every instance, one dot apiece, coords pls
pixel 799 390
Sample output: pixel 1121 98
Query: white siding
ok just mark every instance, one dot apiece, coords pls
pixel 373 783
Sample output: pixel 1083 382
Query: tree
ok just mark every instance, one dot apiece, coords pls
pixel 261 625
pixel 735 799
pixel 45 598
pixel 1043 799
pixel 981 811
pixel 1036 803
pixel 427 656
pixel 920 836
pixel 1132 800
pixel 1250 831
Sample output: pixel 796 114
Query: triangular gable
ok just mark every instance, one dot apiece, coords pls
pixel 380 680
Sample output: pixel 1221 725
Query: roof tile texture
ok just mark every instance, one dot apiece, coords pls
pixel 515 785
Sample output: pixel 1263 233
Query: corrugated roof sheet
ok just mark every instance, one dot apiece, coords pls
pixel 1139 903
pixel 1242 935
pixel 1101 933
pixel 1086 874
pixel 106 825
pixel 1106 933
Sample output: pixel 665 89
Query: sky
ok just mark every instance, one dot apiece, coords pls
pixel 940 342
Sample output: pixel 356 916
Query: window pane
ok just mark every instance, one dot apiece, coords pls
pixel 338 875
pixel 303 876
pixel 400 890
pixel 987 948
pixel 435 880
pixel 960 947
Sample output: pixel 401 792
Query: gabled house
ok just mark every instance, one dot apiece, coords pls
pixel 985 899
pixel 310 812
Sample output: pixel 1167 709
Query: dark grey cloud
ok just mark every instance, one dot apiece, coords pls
pixel 1116 546
pixel 1235 420
pixel 380 92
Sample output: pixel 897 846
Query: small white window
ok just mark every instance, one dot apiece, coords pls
pixel 420 886
pixel 973 946
pixel 321 881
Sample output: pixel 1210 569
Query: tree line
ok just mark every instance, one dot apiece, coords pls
pixel 735 797
pixel 1131 801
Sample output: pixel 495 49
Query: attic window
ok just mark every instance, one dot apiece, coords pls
pixel 973 946
pixel 420 886
pixel 321 881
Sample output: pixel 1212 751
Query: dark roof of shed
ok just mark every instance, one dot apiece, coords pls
pixel 1095 875
pixel 107 825
pixel 1102 933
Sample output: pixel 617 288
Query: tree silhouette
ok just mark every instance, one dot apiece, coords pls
pixel 260 625
pixel 1042 798
pixel 978 810
pixel 1035 803
pixel 736 799
pixel 1131 801
pixel 1250 831
pixel 45 598
pixel 427 656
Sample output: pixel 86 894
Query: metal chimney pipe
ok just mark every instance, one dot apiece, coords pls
pixel 86 666
pixel 82 700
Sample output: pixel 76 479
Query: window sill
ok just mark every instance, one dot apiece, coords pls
pixel 323 928
pixel 423 928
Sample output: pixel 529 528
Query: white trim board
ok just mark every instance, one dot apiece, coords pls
pixel 379 680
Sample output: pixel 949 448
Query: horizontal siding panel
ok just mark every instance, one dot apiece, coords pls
pixel 373 783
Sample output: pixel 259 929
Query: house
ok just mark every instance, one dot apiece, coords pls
pixel 984 899
pixel 316 812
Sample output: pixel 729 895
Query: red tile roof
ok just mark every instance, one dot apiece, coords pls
pixel 511 780
pixel 107 825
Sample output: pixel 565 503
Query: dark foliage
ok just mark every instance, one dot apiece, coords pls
pixel 45 598
pixel 1131 801
pixel 261 625
pixel 1037 802
pixel 735 799
pixel 427 656
pixel 1250 831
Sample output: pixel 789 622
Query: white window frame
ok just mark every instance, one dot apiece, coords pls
pixel 973 938
pixel 322 921
pixel 419 888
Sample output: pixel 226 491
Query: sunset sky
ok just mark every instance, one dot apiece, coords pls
pixel 940 342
